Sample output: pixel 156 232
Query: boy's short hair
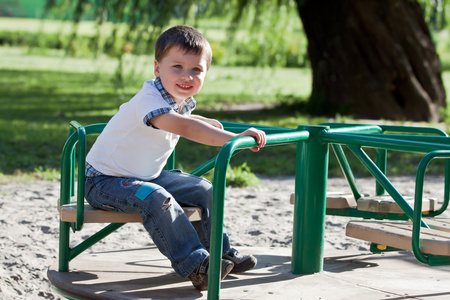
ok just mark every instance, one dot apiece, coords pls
pixel 187 38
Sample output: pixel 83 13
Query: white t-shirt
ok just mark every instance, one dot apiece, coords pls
pixel 128 147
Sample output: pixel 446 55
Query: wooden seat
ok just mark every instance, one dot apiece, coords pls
pixel 398 234
pixel 336 200
pixel 385 204
pixel 68 213
pixel 439 224
pixel 72 193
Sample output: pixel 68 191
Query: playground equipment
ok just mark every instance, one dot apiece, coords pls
pixel 310 188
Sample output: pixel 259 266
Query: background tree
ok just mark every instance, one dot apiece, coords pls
pixel 374 59
pixel 371 59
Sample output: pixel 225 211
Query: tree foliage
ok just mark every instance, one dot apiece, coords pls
pixel 436 13
pixel 137 23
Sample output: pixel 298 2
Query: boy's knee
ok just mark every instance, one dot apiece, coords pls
pixel 167 204
pixel 205 186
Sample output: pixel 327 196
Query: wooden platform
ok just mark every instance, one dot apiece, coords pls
pixel 68 213
pixel 348 275
pixel 398 234
pixel 385 204
pixel 379 204
pixel 336 200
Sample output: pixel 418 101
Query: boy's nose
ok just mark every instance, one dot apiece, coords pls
pixel 187 75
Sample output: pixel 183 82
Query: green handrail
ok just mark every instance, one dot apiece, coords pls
pixel 77 138
pixel 220 170
pixel 417 218
pixel 382 153
pixel 393 128
pixel 422 144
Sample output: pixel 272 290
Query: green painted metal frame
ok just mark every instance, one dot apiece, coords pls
pixel 221 164
pixel 69 162
pixel 432 260
pixel 310 184
pixel 381 162
pixel 310 187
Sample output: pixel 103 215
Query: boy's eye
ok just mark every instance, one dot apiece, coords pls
pixel 197 70
pixel 178 66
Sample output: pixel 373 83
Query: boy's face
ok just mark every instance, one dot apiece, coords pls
pixel 182 74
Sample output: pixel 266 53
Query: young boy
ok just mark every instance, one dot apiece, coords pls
pixel 124 168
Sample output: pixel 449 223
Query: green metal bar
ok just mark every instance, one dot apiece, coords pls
pixel 374 248
pixel 205 167
pixel 73 156
pixel 417 218
pixel 417 138
pixel 346 170
pixel 413 129
pixel 356 129
pixel 310 204
pixel 445 202
pixel 220 170
pixel 381 163
pixel 80 186
pixel 382 153
pixel 393 128
pixel 446 187
pixel 438 260
pixel 93 239
pixel 383 180
pixel 345 167
pixel 411 143
pixel 219 181
pixel 67 173
pixel 95 128
pixel 64 247
pixel 343 126
pixel 68 166
pixel 209 165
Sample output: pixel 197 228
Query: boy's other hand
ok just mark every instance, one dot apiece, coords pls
pixel 259 135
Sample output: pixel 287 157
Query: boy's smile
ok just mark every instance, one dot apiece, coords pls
pixel 182 74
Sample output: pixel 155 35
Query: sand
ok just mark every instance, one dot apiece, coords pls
pixel 254 216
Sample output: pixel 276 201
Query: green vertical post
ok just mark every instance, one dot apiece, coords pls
pixel 310 203
pixel 217 213
pixel 381 163
pixel 346 170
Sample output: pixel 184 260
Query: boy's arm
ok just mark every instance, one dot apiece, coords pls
pixel 201 131
pixel 212 122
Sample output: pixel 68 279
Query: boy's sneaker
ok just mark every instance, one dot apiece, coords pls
pixel 242 262
pixel 199 276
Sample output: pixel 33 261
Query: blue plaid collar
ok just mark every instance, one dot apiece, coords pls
pixel 190 103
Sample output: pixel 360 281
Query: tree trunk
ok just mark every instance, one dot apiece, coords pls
pixel 372 59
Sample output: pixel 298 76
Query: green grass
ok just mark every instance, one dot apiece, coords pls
pixel 43 90
pixel 37 105
pixel 41 94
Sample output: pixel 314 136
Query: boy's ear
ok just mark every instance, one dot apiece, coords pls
pixel 156 71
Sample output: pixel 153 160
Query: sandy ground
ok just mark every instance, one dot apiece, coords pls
pixel 254 216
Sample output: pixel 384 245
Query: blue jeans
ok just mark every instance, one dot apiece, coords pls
pixel 159 202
